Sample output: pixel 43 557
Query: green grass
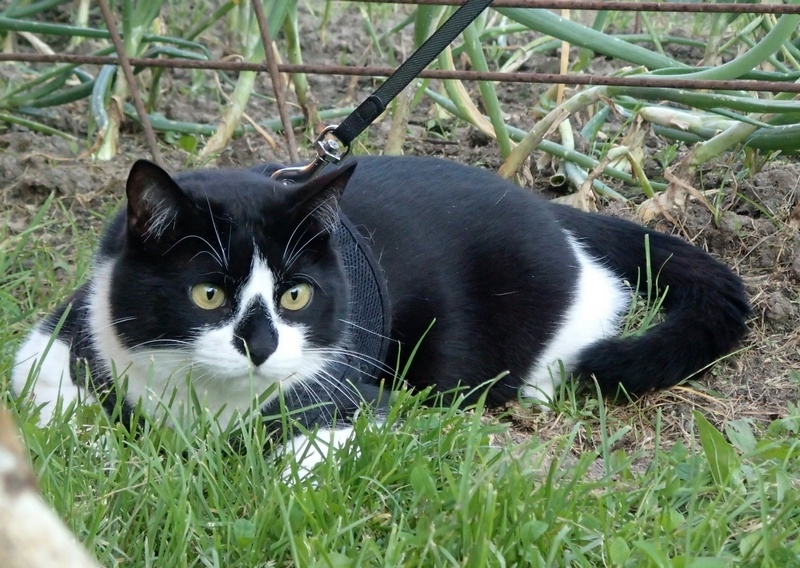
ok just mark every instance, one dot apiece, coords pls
pixel 621 486
pixel 429 490
pixel 431 487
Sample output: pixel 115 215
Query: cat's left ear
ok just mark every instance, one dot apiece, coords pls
pixel 319 197
pixel 154 201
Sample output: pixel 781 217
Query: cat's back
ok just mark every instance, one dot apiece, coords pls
pixel 431 195
pixel 428 181
pixel 464 231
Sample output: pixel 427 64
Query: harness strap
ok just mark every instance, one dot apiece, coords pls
pixel 352 379
pixel 376 103
pixel 328 149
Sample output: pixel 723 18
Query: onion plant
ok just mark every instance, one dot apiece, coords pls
pixel 756 47
pixel 244 21
pixel 136 20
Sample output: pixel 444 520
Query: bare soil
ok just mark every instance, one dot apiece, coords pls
pixel 754 228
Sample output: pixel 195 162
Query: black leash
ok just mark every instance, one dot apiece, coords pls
pixel 330 141
pixel 357 378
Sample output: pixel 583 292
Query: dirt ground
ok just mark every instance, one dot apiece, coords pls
pixel 756 232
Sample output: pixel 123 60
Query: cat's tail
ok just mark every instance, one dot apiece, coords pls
pixel 705 305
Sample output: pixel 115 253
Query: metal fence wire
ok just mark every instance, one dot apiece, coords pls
pixel 274 68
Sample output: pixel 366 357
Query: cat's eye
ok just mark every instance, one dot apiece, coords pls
pixel 207 296
pixel 297 297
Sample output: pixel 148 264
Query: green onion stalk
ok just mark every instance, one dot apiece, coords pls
pixel 487 90
pixel 253 52
pixel 295 56
pixel 136 21
pixel 552 148
pixel 424 16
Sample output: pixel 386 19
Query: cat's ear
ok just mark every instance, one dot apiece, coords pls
pixel 319 197
pixel 154 200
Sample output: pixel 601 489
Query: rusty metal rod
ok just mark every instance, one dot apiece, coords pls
pixel 518 77
pixel 124 62
pixel 621 6
pixel 277 84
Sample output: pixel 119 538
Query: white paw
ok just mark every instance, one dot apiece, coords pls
pixel 307 452
pixel 45 371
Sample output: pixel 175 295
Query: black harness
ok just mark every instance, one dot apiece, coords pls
pixel 371 316
pixel 354 379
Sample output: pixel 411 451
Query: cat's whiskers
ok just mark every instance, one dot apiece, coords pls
pixel 118 321
pixel 290 247
pixel 212 252
pixel 186 375
pixel 216 233
pixel 176 365
pixel 82 340
pixel 354 355
pixel 306 385
pixel 297 226
pixel 296 250
pixel 341 350
pixel 200 379
pixel 161 341
pixel 161 364
pixel 323 377
pixel 289 262
pixel 348 322
pixel 313 394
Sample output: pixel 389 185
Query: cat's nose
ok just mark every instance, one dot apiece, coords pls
pixel 260 347
pixel 255 335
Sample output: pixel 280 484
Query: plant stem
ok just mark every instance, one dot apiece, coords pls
pixel 532 140
pixel 546 22
pixel 487 90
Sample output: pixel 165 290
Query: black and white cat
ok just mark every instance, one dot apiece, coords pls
pixel 230 284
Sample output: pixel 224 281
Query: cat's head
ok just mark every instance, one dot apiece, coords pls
pixel 226 274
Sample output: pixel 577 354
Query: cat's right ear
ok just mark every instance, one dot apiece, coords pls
pixel 319 197
pixel 154 201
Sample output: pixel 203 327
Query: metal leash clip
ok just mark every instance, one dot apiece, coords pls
pixel 328 152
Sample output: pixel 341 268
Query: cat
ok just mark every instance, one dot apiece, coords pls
pixel 232 282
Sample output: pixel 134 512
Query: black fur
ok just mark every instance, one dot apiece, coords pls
pixel 244 213
pixel 706 305
pixel 487 260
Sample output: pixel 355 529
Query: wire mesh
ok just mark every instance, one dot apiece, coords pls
pixel 374 71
